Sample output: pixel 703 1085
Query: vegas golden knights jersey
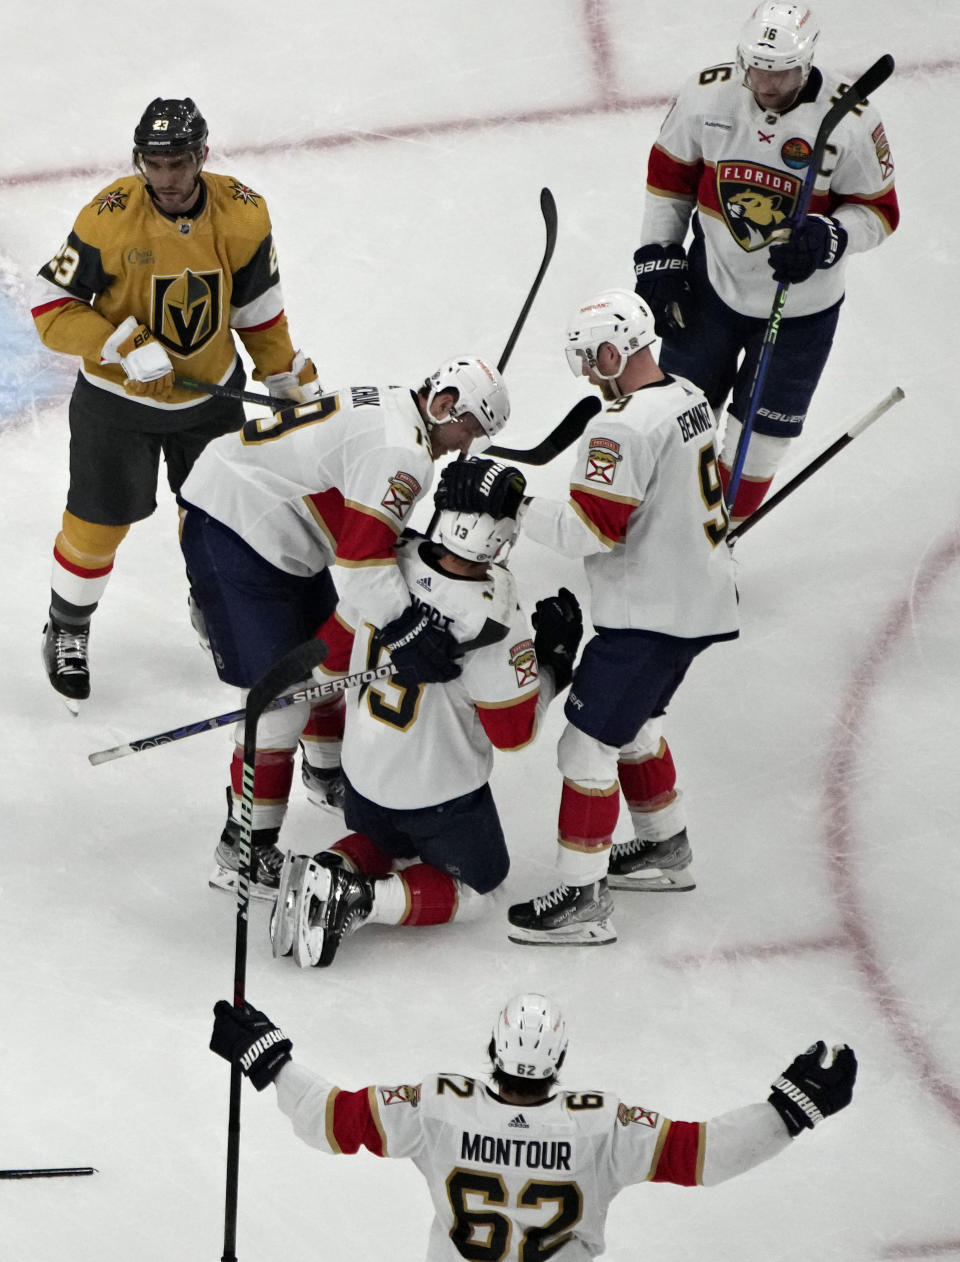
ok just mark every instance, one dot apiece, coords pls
pixel 190 279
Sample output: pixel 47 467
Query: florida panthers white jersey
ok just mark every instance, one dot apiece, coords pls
pixel 515 1182
pixel 742 168
pixel 647 514
pixel 412 747
pixel 328 481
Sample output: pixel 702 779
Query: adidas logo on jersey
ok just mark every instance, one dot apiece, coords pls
pixel 426 583
pixel 519 1120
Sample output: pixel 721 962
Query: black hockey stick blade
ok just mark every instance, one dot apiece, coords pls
pixel 558 440
pixel 548 208
pixel 294 666
pixel 271 401
pixel 870 80
pixel 49 1172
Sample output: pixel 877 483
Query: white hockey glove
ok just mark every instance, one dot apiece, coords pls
pixel 146 363
pixel 300 385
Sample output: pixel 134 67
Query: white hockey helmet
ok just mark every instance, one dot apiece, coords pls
pixel 615 316
pixel 476 536
pixel 778 36
pixel 480 389
pixel 530 1037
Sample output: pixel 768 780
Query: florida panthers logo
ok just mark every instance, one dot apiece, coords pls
pixel 755 200
pixel 186 310
pixel 401 1095
pixel 401 494
pixel 602 460
pixel 524 662
pixel 627 1114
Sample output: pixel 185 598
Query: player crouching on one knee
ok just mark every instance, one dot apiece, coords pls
pixel 417 757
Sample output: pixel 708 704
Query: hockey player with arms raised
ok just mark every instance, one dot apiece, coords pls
pixel 158 272
pixel 516 1165
pixel 269 510
pixel 417 757
pixel 729 163
pixel 646 514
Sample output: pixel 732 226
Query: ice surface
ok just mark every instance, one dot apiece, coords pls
pixel 402 149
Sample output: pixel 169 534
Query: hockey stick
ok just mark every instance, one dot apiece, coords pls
pixel 294 666
pixel 228 392
pixel 845 439
pixel 855 95
pixel 49 1172
pixel 559 439
pixel 548 208
pixel 490 633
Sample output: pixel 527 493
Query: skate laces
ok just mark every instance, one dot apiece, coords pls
pixel 544 902
pixel 70 648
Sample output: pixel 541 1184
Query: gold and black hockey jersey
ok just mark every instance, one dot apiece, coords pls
pixel 190 279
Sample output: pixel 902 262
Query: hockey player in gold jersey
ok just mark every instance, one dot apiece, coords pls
pixel 158 272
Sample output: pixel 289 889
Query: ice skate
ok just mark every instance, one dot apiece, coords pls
pixel 324 786
pixel 654 867
pixel 331 904
pixel 266 859
pixel 577 915
pixel 283 918
pixel 64 653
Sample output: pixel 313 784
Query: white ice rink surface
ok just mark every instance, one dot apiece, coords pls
pixel 402 149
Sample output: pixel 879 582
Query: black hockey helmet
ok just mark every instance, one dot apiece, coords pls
pixel 170 126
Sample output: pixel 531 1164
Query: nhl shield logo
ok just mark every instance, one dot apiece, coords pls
pixel 756 200
pixel 186 310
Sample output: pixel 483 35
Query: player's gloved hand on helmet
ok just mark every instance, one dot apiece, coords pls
pixel 480 486
pixel 146 363
pixel 300 384
pixel 558 627
pixel 819 241
pixel 249 1039
pixel 815 1085
pixel 421 651
pixel 661 272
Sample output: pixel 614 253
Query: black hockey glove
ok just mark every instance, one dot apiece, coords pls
pixel 480 486
pixel 249 1039
pixel 812 1087
pixel 818 242
pixel 421 651
pixel 558 624
pixel 661 272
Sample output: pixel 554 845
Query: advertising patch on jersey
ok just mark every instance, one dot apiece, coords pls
pixel 884 156
pixel 186 310
pixel 243 194
pixel 116 199
pixel 632 1113
pixel 796 153
pixel 755 200
pixel 602 460
pixel 524 661
pixel 404 489
pixel 400 1095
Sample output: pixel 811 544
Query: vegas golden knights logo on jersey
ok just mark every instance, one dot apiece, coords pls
pixel 186 310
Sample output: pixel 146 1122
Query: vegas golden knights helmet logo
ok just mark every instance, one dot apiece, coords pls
pixel 186 310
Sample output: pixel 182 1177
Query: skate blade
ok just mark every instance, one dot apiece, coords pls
pixel 226 879
pixel 72 705
pixel 308 939
pixel 655 881
pixel 318 800
pixel 593 933
pixel 282 920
